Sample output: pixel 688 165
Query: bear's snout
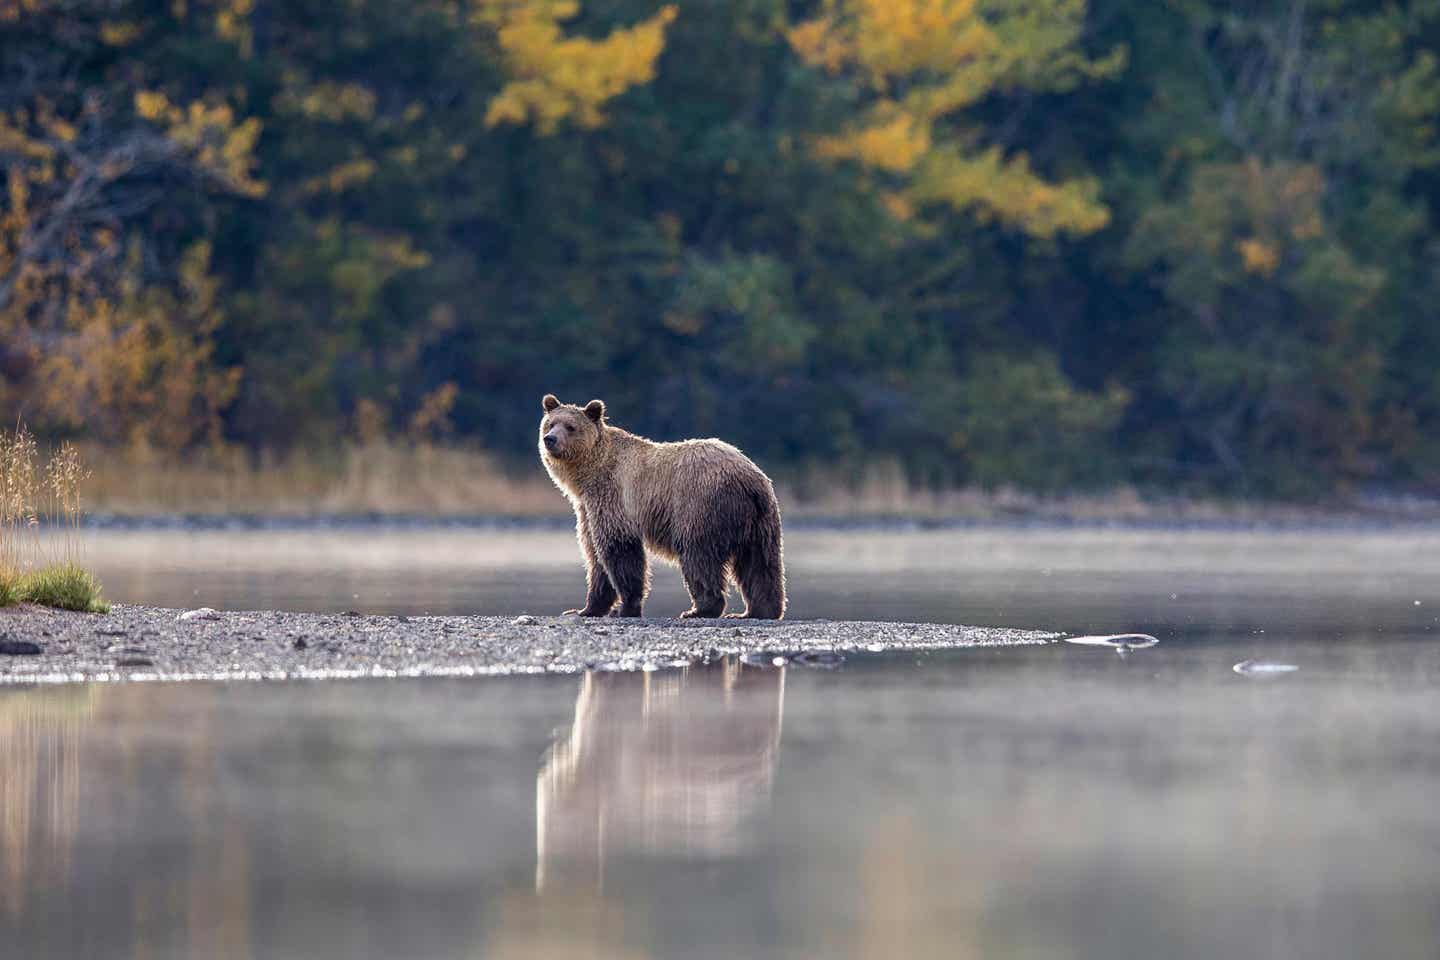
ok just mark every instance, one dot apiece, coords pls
pixel 551 441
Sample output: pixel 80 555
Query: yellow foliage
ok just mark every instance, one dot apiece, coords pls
pixel 340 178
pixel 1269 202
pixel 556 78
pixel 895 145
pixel 329 101
pixel 1258 256
pixel 232 22
pixel 1008 189
pixel 219 144
pixel 891 40
pixel 899 206
pixel 818 45
pixel 118 33
pixel 151 104
pixel 138 368
pixel 923 61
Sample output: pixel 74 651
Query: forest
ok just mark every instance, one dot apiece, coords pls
pixel 1184 245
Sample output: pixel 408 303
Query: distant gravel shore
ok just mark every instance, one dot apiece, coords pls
pixel 154 643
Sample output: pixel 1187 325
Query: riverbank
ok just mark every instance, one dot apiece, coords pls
pixel 158 643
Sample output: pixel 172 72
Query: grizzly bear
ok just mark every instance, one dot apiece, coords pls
pixel 699 503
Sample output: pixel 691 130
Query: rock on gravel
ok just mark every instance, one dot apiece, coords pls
pixel 204 613
pixel 276 645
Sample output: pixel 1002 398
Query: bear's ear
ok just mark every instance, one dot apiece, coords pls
pixel 549 402
pixel 595 409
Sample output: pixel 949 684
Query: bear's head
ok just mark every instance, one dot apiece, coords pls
pixel 568 432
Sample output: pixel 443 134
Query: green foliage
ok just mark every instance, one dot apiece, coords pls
pixel 1021 417
pixel 65 587
pixel 1032 242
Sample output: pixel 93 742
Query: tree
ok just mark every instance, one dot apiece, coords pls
pixel 93 159
pixel 1279 230
pixel 915 66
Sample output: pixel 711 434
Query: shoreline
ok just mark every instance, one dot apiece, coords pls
pixel 137 643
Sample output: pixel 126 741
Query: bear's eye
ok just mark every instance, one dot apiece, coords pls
pixel 569 428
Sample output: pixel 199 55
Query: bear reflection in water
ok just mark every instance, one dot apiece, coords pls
pixel 675 764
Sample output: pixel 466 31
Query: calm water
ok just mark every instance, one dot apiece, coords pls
pixel 1033 802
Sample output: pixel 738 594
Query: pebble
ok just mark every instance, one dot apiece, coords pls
pixel 525 620
pixel 203 613
pixel 1259 668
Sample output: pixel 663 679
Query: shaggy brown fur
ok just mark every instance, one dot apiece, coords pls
pixel 699 503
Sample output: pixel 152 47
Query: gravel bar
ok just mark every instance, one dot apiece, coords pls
pixel 137 643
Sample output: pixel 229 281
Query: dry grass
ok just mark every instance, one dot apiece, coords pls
pixel 35 568
pixel 418 479
pixel 386 478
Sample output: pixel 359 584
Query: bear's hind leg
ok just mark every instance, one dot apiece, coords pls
pixel 704 577
pixel 761 575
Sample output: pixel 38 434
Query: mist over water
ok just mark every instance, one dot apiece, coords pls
pixel 1073 580
pixel 1041 801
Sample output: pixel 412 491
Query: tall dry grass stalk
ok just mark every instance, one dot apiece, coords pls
pixel 40 505
pixel 19 511
pixel 63 511
pixel 41 548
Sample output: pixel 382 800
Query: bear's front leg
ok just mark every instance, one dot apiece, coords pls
pixel 624 560
pixel 600 593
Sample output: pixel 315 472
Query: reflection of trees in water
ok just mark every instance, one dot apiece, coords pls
pixel 71 767
pixel 657 763
pixel 41 734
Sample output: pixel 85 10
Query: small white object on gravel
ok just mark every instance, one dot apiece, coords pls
pixel 525 620
pixel 1259 668
pixel 204 613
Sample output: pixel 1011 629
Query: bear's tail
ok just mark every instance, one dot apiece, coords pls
pixel 759 562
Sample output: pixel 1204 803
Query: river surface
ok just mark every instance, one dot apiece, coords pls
pixel 1055 801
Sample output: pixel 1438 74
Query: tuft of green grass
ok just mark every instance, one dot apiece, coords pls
pixel 65 586
pixel 9 588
